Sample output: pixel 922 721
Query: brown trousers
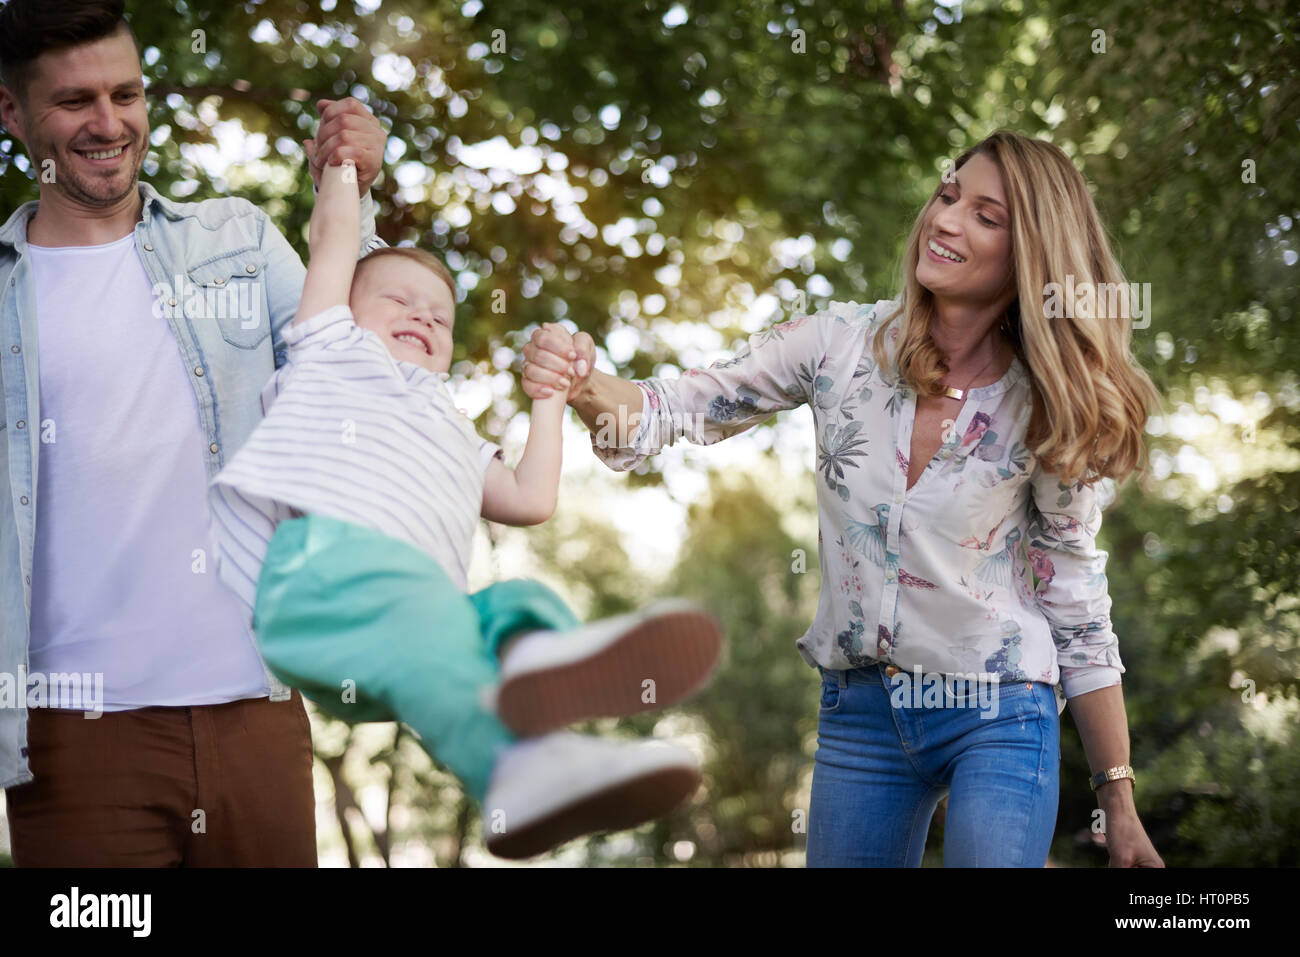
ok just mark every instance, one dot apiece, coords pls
pixel 221 785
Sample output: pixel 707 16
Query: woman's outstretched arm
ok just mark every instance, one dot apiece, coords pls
pixel 777 369
pixel 605 398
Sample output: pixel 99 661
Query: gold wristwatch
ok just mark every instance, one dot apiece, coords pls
pixel 1112 774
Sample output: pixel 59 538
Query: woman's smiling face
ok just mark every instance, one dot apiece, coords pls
pixel 970 218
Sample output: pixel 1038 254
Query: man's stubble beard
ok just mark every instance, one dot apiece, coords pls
pixel 76 187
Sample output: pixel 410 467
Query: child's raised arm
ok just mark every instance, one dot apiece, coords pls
pixel 332 242
pixel 525 495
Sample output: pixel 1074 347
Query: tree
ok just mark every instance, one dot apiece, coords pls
pixel 720 164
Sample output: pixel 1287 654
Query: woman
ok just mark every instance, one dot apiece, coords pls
pixel 965 436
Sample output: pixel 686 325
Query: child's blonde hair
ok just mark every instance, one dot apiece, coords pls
pixel 426 259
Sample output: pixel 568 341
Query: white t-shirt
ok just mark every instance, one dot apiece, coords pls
pixel 351 433
pixel 121 585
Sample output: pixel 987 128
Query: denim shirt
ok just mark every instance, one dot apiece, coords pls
pixel 210 252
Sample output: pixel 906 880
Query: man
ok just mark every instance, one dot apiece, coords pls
pixel 138 723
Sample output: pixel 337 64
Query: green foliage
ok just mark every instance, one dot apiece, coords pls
pixel 737 561
pixel 732 134
pixel 1208 619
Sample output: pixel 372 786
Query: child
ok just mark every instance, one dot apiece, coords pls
pixel 345 523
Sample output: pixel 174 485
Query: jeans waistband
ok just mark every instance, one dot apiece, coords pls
pixel 877 670
pixel 863 673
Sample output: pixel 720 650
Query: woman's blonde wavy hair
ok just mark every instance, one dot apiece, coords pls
pixel 1090 397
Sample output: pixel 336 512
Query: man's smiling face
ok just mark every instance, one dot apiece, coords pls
pixel 84 108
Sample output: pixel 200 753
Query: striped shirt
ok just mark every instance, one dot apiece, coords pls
pixel 351 433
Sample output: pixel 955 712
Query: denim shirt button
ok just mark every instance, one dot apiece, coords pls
pixel 171 301
pixel 213 447
pixel 21 423
pixel 23 500
pixel 198 370
pixel 250 268
pixel 15 350
pixel 148 248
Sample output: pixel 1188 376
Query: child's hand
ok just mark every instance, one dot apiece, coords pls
pixel 309 147
pixel 556 362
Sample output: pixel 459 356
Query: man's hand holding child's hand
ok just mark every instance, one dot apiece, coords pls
pixel 348 130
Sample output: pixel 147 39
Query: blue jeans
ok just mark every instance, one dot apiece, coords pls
pixel 881 770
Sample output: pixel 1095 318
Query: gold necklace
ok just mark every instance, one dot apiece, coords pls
pixel 961 393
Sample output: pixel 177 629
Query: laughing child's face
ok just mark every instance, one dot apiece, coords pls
pixel 409 307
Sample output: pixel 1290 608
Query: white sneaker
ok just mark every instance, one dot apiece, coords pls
pixel 549 790
pixel 617 666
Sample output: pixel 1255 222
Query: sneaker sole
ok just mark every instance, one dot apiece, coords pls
pixel 677 650
pixel 618 808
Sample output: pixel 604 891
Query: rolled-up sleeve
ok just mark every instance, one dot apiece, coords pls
pixel 776 370
pixel 1071 572
pixel 487 451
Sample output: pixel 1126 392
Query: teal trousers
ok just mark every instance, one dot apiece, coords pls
pixel 370 628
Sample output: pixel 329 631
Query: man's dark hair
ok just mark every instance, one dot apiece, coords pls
pixel 29 28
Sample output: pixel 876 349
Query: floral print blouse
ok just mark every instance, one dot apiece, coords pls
pixel 988 565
